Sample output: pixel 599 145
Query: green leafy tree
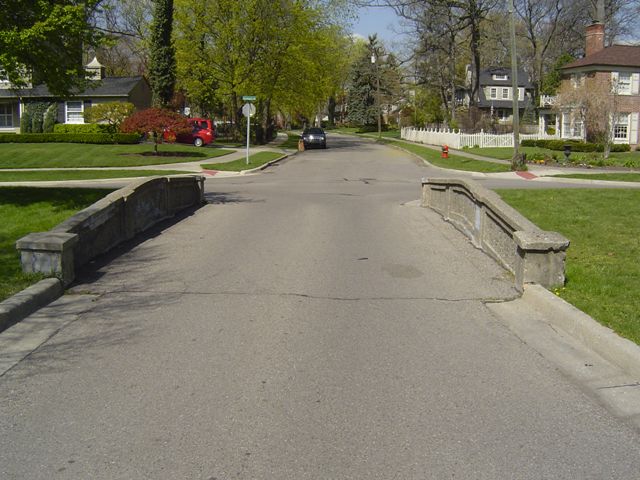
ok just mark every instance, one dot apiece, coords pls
pixel 111 113
pixel 50 118
pixel 287 53
pixel 155 121
pixel 162 72
pixel 42 41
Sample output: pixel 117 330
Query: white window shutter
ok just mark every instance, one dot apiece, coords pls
pixel 614 82
pixel 633 130
pixel 635 83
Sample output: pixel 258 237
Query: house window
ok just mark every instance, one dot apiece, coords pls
pixel 74 112
pixel 499 77
pixel 624 83
pixel 505 94
pixel 6 115
pixel 572 126
pixel 621 127
pixel 493 92
pixel 577 80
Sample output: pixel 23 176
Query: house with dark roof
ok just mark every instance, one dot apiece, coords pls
pixel 101 89
pixel 618 67
pixel 496 93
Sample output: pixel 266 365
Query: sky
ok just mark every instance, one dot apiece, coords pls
pixel 380 20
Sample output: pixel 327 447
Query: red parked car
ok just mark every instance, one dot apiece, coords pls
pixel 203 133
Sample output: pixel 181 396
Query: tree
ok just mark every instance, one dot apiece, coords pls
pixel 125 25
pixel 155 121
pixel 286 53
pixel 362 108
pixel 42 42
pixel 162 72
pixel 593 101
pixel 111 113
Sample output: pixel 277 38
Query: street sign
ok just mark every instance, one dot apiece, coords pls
pixel 249 98
pixel 248 110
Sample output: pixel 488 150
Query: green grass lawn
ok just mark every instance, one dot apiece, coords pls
pixel 56 175
pixel 24 210
pixel 255 160
pixel 69 155
pixel 603 271
pixel 612 177
pixel 454 162
pixel 621 159
pixel 292 141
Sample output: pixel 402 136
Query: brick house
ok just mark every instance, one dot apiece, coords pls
pixel 135 90
pixel 617 69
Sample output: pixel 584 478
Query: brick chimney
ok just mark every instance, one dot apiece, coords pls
pixel 594 39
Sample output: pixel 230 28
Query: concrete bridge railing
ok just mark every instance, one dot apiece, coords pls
pixel 531 254
pixel 118 217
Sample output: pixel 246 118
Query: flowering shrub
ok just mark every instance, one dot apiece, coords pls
pixel 154 121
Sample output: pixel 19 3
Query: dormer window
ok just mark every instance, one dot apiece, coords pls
pixel 497 76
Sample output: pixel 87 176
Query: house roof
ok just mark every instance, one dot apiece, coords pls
pixel 615 55
pixel 107 87
pixel 486 77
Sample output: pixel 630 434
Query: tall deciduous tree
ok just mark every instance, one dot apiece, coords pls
pixel 286 53
pixel 42 41
pixel 162 71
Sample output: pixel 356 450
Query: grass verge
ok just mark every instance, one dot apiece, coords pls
pixel 292 141
pixel 24 210
pixel 58 175
pixel 619 159
pixel 611 177
pixel 73 155
pixel 454 162
pixel 603 272
pixel 255 160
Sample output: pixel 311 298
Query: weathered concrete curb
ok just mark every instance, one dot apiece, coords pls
pixel 602 340
pixel 268 164
pixel 29 300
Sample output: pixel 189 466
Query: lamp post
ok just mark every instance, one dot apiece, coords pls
pixel 374 61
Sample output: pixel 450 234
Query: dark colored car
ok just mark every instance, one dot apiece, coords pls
pixel 202 133
pixel 314 137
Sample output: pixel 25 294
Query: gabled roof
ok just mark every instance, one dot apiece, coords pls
pixel 613 56
pixel 107 87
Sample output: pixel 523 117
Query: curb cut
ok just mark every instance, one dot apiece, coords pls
pixel 29 300
pixel 602 340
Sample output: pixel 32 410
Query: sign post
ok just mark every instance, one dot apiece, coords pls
pixel 248 110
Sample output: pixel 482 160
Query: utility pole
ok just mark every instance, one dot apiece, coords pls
pixel 374 59
pixel 516 160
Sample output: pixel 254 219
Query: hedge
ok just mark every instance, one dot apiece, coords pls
pixel 372 128
pixel 83 128
pixel 575 145
pixel 97 138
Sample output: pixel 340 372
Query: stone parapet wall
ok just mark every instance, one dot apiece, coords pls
pixel 118 217
pixel 531 254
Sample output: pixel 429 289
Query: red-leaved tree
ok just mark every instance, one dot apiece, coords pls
pixel 155 121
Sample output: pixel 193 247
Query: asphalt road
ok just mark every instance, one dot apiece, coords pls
pixel 310 322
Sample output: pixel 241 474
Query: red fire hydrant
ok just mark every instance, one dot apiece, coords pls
pixel 445 151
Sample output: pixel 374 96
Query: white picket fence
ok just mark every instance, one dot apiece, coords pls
pixel 457 139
